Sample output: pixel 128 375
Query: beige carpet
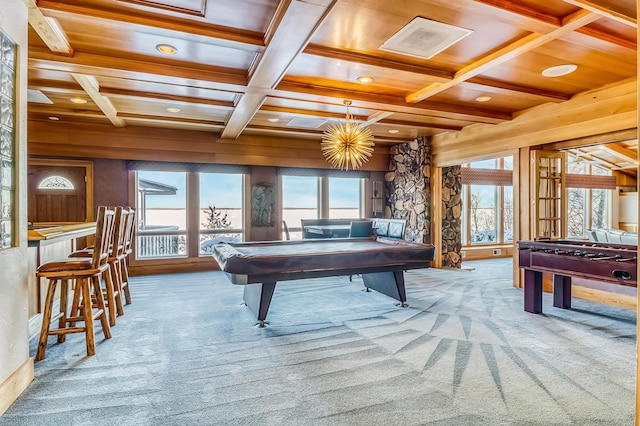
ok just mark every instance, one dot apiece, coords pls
pixel 463 353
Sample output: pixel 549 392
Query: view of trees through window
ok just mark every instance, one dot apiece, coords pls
pixel 164 203
pixel 587 208
pixel 220 207
pixel 488 214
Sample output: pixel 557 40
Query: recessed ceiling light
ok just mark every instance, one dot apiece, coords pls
pixel 170 109
pixel 483 98
pixel 365 79
pixel 394 131
pixel 559 70
pixel 167 49
pixel 273 120
pixel 54 118
pixel 78 100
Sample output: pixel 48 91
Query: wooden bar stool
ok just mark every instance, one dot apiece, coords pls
pixel 86 272
pixel 112 290
pixel 116 254
pixel 128 240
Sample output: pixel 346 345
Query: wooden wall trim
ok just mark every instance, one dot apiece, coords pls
pixel 521 204
pixel 15 384
pixel 610 109
pixel 436 215
pixel 137 143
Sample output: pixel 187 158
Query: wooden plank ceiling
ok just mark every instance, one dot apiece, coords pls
pixel 270 67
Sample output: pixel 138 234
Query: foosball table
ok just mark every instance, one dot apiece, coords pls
pixel 612 263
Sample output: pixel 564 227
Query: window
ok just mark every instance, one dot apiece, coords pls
pixel 162 214
pixel 221 215
pixel 174 207
pixel 56 182
pixel 507 213
pixel 299 201
pixel 487 193
pixel 482 213
pixel 344 197
pixel 588 207
pixel 315 197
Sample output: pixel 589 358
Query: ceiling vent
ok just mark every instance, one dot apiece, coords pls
pixel 309 123
pixel 37 97
pixel 424 38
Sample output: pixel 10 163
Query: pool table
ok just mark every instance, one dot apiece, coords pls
pixel 260 265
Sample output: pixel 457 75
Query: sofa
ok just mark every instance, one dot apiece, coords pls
pixel 613 236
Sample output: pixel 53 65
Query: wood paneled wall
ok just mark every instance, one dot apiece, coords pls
pixel 137 143
pixel 612 108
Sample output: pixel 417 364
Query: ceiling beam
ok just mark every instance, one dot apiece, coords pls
pixel 535 14
pixel 308 112
pixel 90 85
pixel 622 152
pixel 233 81
pixel 72 113
pixel 376 61
pixel 376 117
pixel 522 10
pixel 376 101
pixel 593 159
pixel 49 31
pixel 525 44
pixel 135 94
pixel 503 85
pixel 604 12
pixel 164 119
pixel 54 86
pixel 435 73
pixel 220 35
pixel 291 29
pixel 421 124
pixel 140 69
pixel 608 37
pixel 604 138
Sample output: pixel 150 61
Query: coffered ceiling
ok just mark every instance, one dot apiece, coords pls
pixel 270 67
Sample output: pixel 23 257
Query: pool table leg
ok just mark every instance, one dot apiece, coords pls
pixel 561 291
pixel 532 291
pixel 258 298
pixel 388 283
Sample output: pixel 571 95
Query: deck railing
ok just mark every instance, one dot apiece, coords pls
pixel 161 241
pixel 169 241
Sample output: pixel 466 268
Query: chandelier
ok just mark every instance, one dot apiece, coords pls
pixel 347 145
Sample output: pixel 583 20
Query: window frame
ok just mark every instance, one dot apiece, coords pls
pixel 192 232
pixel 499 207
pixel 323 201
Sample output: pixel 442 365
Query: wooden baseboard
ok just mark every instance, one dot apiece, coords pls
pixel 486 252
pixel 608 298
pixel 170 268
pixel 588 292
pixel 11 389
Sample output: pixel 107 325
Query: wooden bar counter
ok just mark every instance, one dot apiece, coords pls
pixel 50 241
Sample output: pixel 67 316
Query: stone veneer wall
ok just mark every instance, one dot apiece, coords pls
pixel 408 185
pixel 451 217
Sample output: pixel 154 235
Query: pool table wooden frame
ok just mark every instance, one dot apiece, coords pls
pixel 260 265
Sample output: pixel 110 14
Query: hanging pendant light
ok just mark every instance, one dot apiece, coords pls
pixel 347 146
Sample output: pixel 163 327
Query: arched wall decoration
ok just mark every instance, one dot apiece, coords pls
pixel 56 182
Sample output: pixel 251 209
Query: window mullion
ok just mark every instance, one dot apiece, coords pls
pixel 193 214
pixel 323 197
